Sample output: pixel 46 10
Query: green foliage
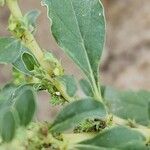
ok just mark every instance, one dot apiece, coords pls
pixel 25 106
pixel 7 126
pixel 17 107
pixel 79 29
pixel 30 20
pixel 10 49
pixel 85 86
pixel 117 138
pixel 129 105
pixel 29 61
pixel 76 112
pixel 69 84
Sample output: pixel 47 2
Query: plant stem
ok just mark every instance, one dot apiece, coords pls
pixel 144 130
pixel 29 41
pixel 14 8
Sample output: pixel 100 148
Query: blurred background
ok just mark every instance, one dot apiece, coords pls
pixel 126 58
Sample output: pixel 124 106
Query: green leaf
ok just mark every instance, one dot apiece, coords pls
pixel 117 138
pixel 92 147
pixel 20 101
pixel 31 18
pixel 6 92
pixel 26 63
pixel 7 126
pixel 79 28
pixel 9 50
pixel 20 66
pixel 86 87
pixel 29 61
pixel 76 112
pixel 136 145
pixel 69 84
pixel 25 106
pixel 12 51
pixel 129 104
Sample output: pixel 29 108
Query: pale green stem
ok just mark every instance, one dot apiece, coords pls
pixel 143 129
pixel 97 93
pixel 14 8
pixel 28 39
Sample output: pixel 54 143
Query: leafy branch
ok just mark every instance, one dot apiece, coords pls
pixel 105 119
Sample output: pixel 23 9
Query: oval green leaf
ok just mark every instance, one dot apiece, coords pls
pixel 129 104
pixel 76 112
pixel 29 61
pixel 7 126
pixel 13 52
pixel 9 50
pixel 78 26
pixel 117 138
pixel 17 107
pixel 25 106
